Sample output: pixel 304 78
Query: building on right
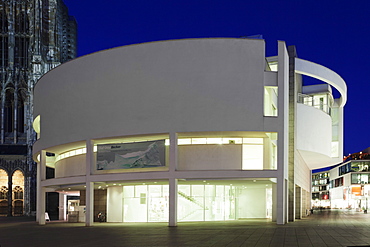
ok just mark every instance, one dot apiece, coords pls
pixel 320 189
pixel 349 182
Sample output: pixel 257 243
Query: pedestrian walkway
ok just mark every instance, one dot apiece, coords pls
pixel 323 228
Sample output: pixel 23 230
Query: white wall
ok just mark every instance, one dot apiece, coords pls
pixel 72 166
pixel 302 174
pixel 159 87
pixel 314 136
pixel 313 130
pixel 210 157
pixel 252 203
pixel 334 173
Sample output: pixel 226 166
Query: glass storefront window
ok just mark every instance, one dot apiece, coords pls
pixel 145 203
pixel 197 202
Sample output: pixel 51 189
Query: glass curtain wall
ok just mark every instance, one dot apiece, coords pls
pixel 197 202
pixel 206 203
pixel 145 203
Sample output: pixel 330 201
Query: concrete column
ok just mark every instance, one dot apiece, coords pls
pixel 281 201
pixel 309 197
pixel 173 152
pixel 90 162
pixel 38 190
pixel 62 207
pixel 298 202
pixel 274 203
pixel 41 205
pixel 90 166
pixel 173 202
pixel 89 204
pixel 42 165
pixel 283 134
pixel 173 181
pixel 40 193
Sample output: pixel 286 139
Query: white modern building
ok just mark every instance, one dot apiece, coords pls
pixel 186 130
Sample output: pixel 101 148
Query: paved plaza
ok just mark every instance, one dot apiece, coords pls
pixel 323 228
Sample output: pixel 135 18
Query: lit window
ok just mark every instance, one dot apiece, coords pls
pixel 36 126
pixel 214 140
pixel 253 140
pixel 252 154
pixel 270 101
pixel 199 141
pixel 184 141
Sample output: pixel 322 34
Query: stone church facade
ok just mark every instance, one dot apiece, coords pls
pixel 35 36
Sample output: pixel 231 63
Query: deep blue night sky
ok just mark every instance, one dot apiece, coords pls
pixel 333 33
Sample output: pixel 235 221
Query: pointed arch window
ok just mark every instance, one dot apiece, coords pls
pixel 3 185
pixel 18 184
pixel 9 109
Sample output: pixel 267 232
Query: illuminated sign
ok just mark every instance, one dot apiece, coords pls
pixel 356 191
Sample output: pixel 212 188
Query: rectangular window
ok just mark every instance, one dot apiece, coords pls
pixel 307 100
pixel 252 154
pixel 270 102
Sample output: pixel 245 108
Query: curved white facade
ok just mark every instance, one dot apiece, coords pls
pixel 202 118
pixel 180 86
pixel 314 131
pixel 324 74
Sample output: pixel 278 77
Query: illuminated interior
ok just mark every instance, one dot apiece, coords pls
pixel 18 191
pixel 270 101
pixel 36 126
pixel 3 192
pixel 198 201
pixel 323 101
pixel 145 203
pixel 253 157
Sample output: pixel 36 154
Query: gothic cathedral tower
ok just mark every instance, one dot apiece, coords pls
pixel 35 36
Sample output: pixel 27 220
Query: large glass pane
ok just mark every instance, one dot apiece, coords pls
pixel 219 208
pixel 209 201
pixel 197 190
pixel 141 191
pixel 190 208
pixel 269 202
pixel 134 210
pixel 252 157
pixel 158 203
pixel 129 191
pixel 184 189
pixel 270 101
pixel 145 203
pixel 224 202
